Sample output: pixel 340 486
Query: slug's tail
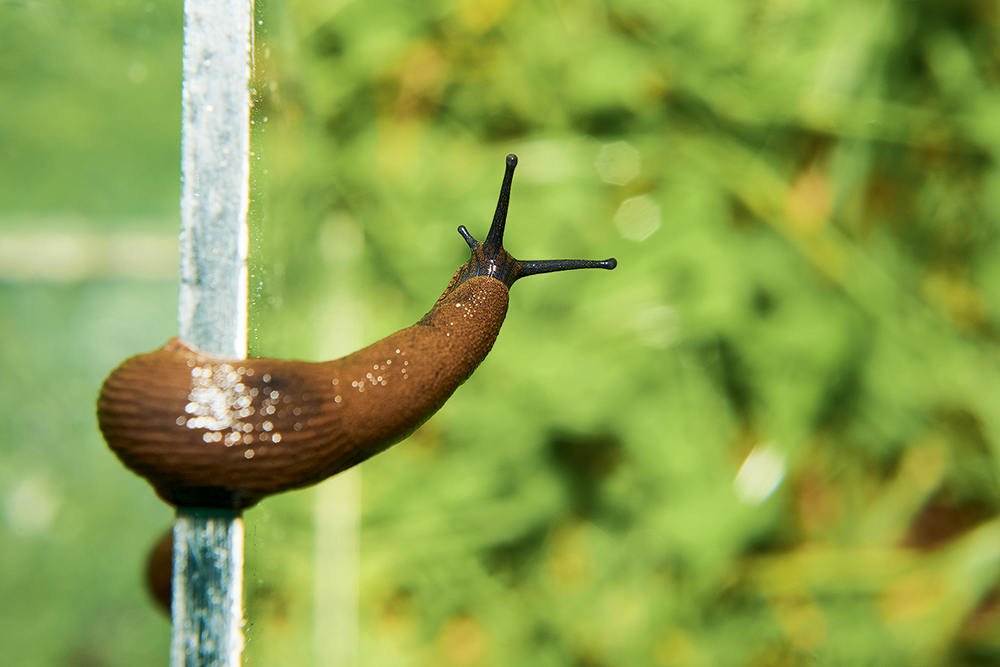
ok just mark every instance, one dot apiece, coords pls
pixel 490 259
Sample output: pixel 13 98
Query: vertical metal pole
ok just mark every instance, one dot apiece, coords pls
pixel 215 167
pixel 207 604
pixel 207 608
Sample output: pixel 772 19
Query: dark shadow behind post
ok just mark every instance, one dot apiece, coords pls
pixel 207 610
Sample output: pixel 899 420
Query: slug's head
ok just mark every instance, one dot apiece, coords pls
pixel 490 259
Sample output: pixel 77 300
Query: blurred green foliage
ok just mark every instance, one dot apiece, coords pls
pixel 803 199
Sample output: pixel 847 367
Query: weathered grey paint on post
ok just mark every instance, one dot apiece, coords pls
pixel 207 607
pixel 215 172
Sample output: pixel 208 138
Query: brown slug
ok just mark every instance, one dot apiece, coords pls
pixel 209 432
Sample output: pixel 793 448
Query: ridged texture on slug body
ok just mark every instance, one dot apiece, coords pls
pixel 215 433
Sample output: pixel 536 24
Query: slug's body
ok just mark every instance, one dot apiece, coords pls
pixel 211 432
pixel 208 432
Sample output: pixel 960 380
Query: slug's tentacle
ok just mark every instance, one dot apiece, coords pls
pixel 210 432
pixel 490 259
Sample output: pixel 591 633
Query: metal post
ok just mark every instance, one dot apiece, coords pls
pixel 207 608
pixel 207 605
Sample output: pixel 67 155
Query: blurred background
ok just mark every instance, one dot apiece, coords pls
pixel 769 437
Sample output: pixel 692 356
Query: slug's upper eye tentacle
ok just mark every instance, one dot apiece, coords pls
pixel 490 259
pixel 494 238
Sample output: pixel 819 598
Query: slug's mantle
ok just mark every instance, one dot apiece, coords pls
pixel 210 432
